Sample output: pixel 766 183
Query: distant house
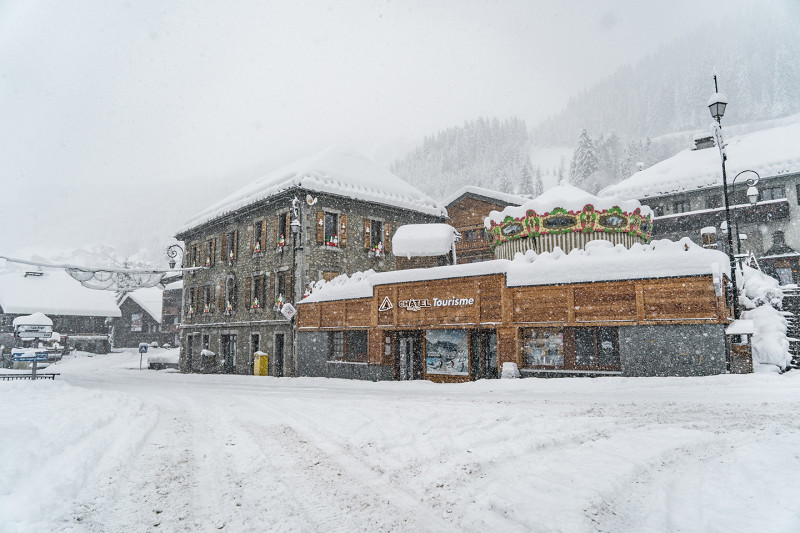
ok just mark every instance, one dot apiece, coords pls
pixel 171 314
pixel 83 315
pixel 467 209
pixel 141 318
pixel 685 193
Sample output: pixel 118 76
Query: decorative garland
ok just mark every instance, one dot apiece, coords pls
pixel 559 221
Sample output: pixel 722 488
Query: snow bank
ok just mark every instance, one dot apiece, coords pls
pixel 769 152
pixel 336 170
pixel 566 197
pixel 423 240
pixel 600 261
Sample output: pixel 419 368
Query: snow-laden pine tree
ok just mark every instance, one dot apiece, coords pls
pixel 584 163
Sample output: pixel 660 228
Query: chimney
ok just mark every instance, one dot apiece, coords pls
pixel 702 141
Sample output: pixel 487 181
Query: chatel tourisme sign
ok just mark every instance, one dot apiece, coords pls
pixel 418 304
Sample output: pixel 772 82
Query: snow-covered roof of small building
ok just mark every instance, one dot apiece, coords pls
pixel 567 197
pixel 770 152
pixel 150 299
pixel 501 197
pixel 175 285
pixel 335 170
pixel 53 292
pixel 600 261
pixel 423 240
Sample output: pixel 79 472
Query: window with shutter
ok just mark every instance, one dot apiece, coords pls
pixel 320 227
pixel 223 248
pixel 387 237
pixel 264 234
pixel 343 230
pixel 367 234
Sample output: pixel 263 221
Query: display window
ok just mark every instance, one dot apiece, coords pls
pixel 447 352
pixel 543 347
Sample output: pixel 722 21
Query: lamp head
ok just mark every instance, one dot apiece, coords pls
pixel 752 195
pixel 717 104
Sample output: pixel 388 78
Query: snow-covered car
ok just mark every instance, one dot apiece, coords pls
pixel 163 359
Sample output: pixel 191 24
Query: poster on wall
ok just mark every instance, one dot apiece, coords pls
pixel 136 322
pixel 446 352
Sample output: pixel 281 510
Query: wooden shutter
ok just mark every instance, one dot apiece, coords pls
pixel 320 227
pixel 387 237
pixel 277 230
pixel 252 231
pixel 343 230
pixel 248 291
pixel 213 250
pixel 221 296
pixel 289 288
pixel 288 226
pixel 367 234
pixel 272 288
pixel 223 255
pixel 235 244
pixel 264 235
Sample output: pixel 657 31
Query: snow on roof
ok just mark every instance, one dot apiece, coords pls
pixel 423 240
pixel 770 152
pixel 53 293
pixel 335 170
pixel 502 197
pixel 35 319
pixel 175 285
pixel 600 261
pixel 567 197
pixel 149 299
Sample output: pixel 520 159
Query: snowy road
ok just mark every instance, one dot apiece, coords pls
pixel 109 448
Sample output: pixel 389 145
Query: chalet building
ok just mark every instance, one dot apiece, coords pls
pixel 467 208
pixel 345 208
pixel 84 316
pixel 685 193
pixel 585 294
pixel 140 319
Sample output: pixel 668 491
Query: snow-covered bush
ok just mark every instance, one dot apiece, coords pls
pixel 761 297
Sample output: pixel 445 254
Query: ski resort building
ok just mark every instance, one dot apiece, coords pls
pixel 685 192
pixel 585 295
pixel 345 209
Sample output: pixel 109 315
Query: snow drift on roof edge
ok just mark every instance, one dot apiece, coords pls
pixel 335 170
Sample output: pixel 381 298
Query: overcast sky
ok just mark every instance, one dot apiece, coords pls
pixel 107 107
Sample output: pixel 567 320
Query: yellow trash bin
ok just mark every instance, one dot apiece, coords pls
pixel 260 364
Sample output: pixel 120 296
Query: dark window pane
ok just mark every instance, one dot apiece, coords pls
pixel 357 346
pixel 584 347
pixel 607 347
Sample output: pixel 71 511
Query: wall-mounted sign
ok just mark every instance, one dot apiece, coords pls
pixel 288 311
pixel 414 304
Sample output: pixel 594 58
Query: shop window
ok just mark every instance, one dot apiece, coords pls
pixel 447 352
pixel 543 347
pixel 350 346
pixel 681 206
pixel 713 201
pixel 597 348
pixel 775 192
pixel 331 229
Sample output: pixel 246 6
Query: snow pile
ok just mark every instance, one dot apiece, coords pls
pixel 566 197
pixel 423 240
pixel 761 295
pixel 769 152
pixel 337 171
pixel 510 371
pixel 501 197
pixel 600 261
pixel 603 261
pixel 167 357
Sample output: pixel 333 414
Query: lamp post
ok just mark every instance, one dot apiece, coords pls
pixel 172 253
pixel 752 198
pixel 297 233
pixel 717 104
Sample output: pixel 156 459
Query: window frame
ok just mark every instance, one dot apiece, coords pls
pixel 328 238
pixel 341 344
pixel 681 206
pixel 769 190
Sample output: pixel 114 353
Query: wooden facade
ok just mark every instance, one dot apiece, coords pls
pixel 543 328
pixel 466 215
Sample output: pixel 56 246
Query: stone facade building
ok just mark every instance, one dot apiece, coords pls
pixel 345 207
pixel 685 193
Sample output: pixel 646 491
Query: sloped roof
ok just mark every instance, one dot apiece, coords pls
pixel 335 170
pixel 53 293
pixel 771 152
pixel 501 197
pixel 567 197
pixel 150 299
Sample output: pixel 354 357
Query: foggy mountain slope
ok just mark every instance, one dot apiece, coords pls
pixel 756 57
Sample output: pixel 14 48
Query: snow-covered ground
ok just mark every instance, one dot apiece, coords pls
pixel 107 447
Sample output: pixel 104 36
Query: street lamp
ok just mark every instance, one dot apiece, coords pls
pixel 752 198
pixel 717 104
pixel 172 253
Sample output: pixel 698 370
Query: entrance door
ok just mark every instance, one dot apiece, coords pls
pixel 229 353
pixel 408 362
pixel 483 354
pixel 279 354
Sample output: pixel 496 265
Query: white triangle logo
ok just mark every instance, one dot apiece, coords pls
pixel 386 304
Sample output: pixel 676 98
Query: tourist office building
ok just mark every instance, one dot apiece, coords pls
pixel 585 294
